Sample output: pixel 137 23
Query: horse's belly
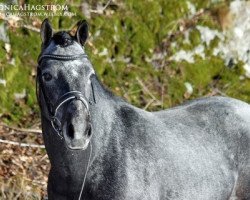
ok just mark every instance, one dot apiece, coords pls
pixel 181 179
pixel 205 190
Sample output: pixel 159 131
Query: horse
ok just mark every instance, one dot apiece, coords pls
pixel 102 148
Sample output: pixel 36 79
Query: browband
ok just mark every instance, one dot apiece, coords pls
pixel 61 57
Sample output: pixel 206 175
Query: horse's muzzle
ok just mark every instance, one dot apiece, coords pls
pixel 77 127
pixel 76 139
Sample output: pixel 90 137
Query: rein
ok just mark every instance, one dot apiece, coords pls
pixel 51 110
pixel 87 169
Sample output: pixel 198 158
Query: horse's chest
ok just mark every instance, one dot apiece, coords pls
pixel 105 182
pixel 123 182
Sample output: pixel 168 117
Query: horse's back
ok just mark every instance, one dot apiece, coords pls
pixel 226 117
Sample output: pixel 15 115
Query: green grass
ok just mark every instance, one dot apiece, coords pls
pixel 130 30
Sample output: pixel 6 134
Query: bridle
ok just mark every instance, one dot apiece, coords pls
pixel 50 112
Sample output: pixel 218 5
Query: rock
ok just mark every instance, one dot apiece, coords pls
pixel 3 33
pixel 19 96
pixel 3 82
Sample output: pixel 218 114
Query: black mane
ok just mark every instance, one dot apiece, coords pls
pixel 63 38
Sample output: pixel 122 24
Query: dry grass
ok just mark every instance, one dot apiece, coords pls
pixel 23 170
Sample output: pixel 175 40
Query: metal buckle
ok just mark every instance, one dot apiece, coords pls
pixel 56 124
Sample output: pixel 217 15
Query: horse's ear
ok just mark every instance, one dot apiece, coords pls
pixel 82 32
pixel 46 31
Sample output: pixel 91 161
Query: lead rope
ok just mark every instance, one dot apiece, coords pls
pixel 85 176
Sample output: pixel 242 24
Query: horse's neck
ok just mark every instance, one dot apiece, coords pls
pixel 103 116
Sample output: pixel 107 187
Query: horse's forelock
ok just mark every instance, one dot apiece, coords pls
pixel 63 38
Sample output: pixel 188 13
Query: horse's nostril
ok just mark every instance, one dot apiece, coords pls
pixel 71 131
pixel 89 132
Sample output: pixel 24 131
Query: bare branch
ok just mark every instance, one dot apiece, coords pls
pixel 148 104
pixel 32 28
pixel 22 144
pixel 146 90
pixel 100 11
pixel 22 129
pixel 17 22
pixel 107 4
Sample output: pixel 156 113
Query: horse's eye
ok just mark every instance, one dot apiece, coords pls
pixel 47 76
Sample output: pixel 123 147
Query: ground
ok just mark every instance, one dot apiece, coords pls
pixel 23 170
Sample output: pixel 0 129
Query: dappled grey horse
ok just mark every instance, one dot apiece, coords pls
pixel 102 148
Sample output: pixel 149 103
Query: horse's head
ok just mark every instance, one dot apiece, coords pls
pixel 64 84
